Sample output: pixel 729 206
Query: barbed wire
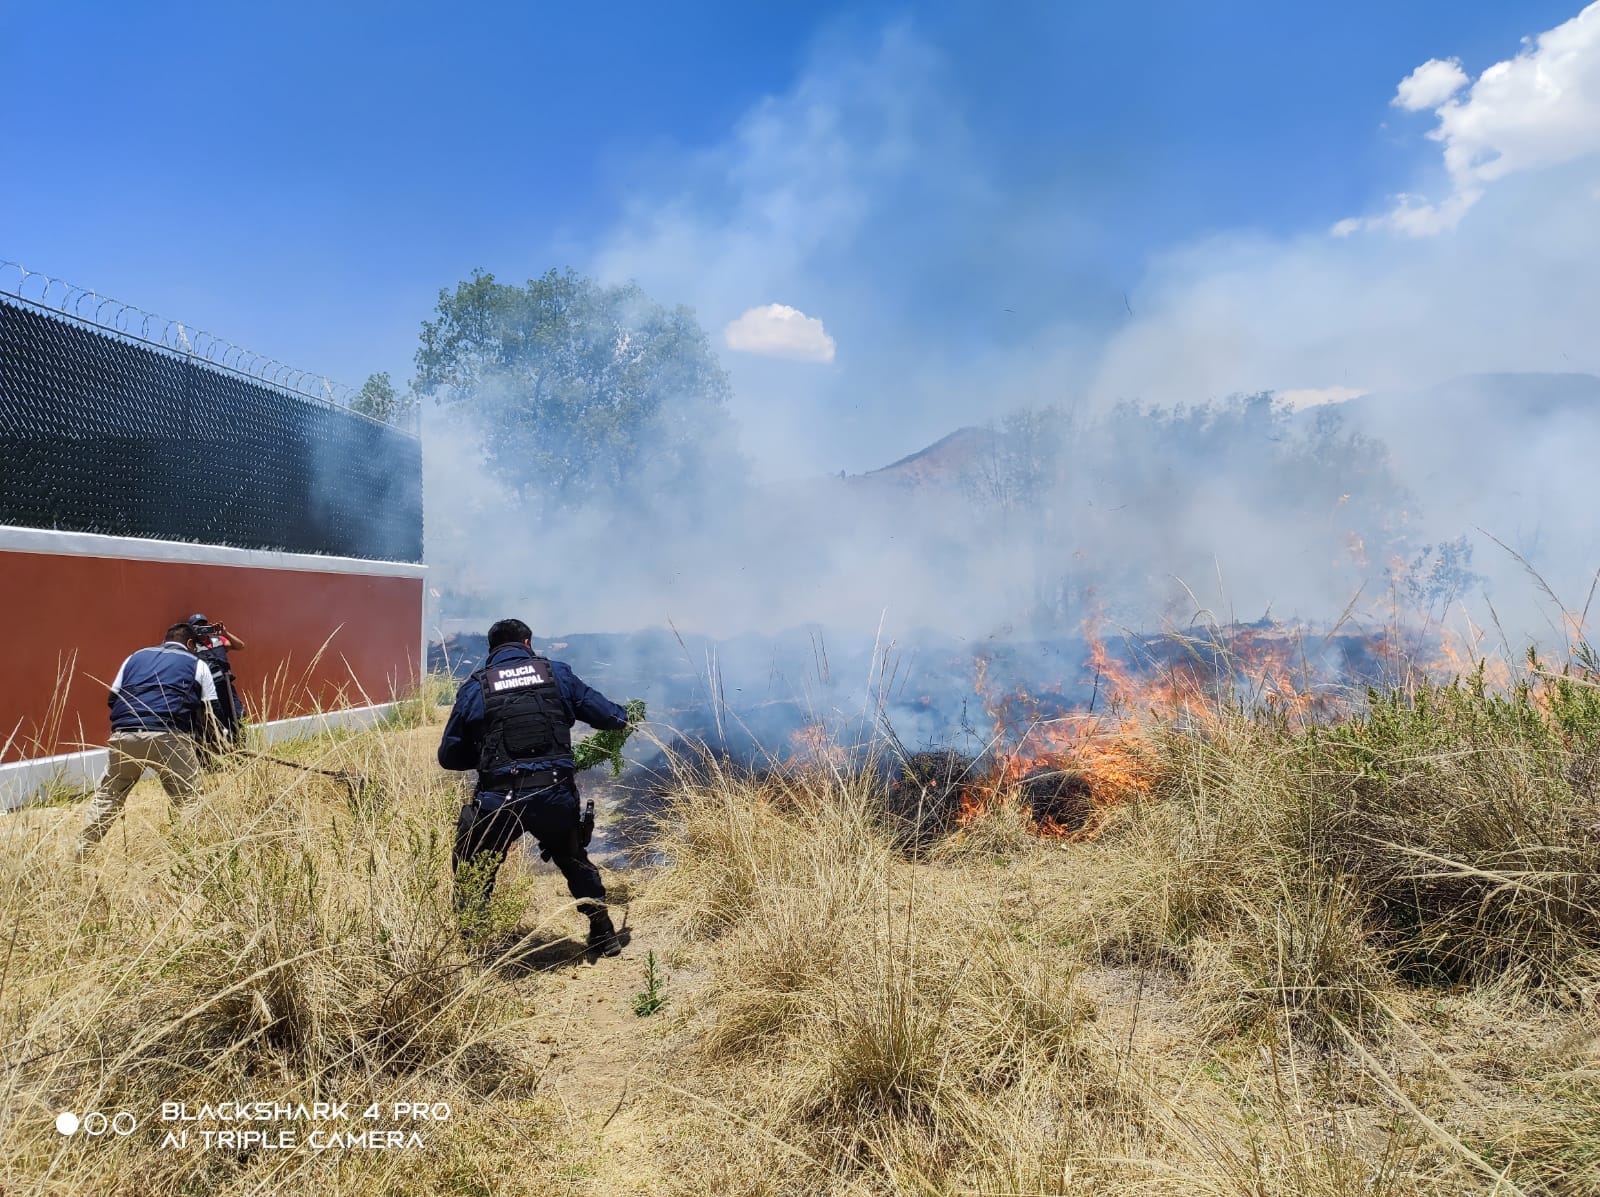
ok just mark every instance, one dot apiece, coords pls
pixel 113 431
pixel 133 323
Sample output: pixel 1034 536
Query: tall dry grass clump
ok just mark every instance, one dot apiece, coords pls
pixel 1443 834
pixel 1473 820
pixel 1222 881
pixel 284 940
pixel 869 1025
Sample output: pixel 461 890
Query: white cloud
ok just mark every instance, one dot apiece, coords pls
pixel 777 330
pixel 1414 216
pixel 1539 109
pixel 1430 85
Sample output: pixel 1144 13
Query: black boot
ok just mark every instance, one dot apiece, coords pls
pixel 603 938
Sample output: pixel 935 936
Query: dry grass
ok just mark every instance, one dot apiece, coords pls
pixel 277 943
pixel 1219 995
pixel 1260 979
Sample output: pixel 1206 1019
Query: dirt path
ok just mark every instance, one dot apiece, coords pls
pixel 604 1059
pixel 605 1062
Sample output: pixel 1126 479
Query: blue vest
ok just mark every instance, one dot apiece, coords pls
pixel 159 692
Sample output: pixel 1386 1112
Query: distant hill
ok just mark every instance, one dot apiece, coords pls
pixel 943 463
pixel 1464 423
pixel 1508 453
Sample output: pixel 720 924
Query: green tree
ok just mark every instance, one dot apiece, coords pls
pixel 583 393
pixel 378 399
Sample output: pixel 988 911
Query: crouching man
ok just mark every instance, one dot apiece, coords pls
pixel 160 702
pixel 512 722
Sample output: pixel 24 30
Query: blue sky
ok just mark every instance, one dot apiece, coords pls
pixel 1065 202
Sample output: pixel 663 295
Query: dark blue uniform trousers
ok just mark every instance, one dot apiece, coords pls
pixel 492 822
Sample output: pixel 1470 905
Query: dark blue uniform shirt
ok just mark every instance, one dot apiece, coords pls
pixel 463 734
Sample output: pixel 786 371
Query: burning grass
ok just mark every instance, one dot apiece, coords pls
pixel 1265 960
pixel 1253 952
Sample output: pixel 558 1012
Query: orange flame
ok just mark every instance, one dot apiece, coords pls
pixel 1290 674
pixel 815 745
pixel 1111 749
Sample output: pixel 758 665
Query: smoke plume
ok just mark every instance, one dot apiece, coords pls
pixel 1125 463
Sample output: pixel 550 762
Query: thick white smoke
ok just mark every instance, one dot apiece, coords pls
pixel 863 183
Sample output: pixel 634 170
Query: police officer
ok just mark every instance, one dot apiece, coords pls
pixel 512 722
pixel 212 642
pixel 158 709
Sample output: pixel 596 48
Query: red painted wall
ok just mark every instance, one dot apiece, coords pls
pixel 71 620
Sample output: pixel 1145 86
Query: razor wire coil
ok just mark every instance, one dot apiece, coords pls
pixel 114 316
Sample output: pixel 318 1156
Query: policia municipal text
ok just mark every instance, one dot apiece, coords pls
pixel 512 722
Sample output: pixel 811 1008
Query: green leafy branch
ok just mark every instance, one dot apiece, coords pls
pixel 607 745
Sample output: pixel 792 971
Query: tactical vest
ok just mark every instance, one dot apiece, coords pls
pixel 159 692
pixel 227 707
pixel 524 720
pixel 216 658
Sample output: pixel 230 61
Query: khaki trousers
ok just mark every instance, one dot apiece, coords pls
pixel 172 756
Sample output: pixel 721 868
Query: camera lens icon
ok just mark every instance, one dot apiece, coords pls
pixel 96 1123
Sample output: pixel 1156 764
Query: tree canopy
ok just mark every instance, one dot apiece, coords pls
pixel 581 392
pixel 379 400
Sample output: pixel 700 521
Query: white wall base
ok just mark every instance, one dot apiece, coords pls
pixel 22 782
